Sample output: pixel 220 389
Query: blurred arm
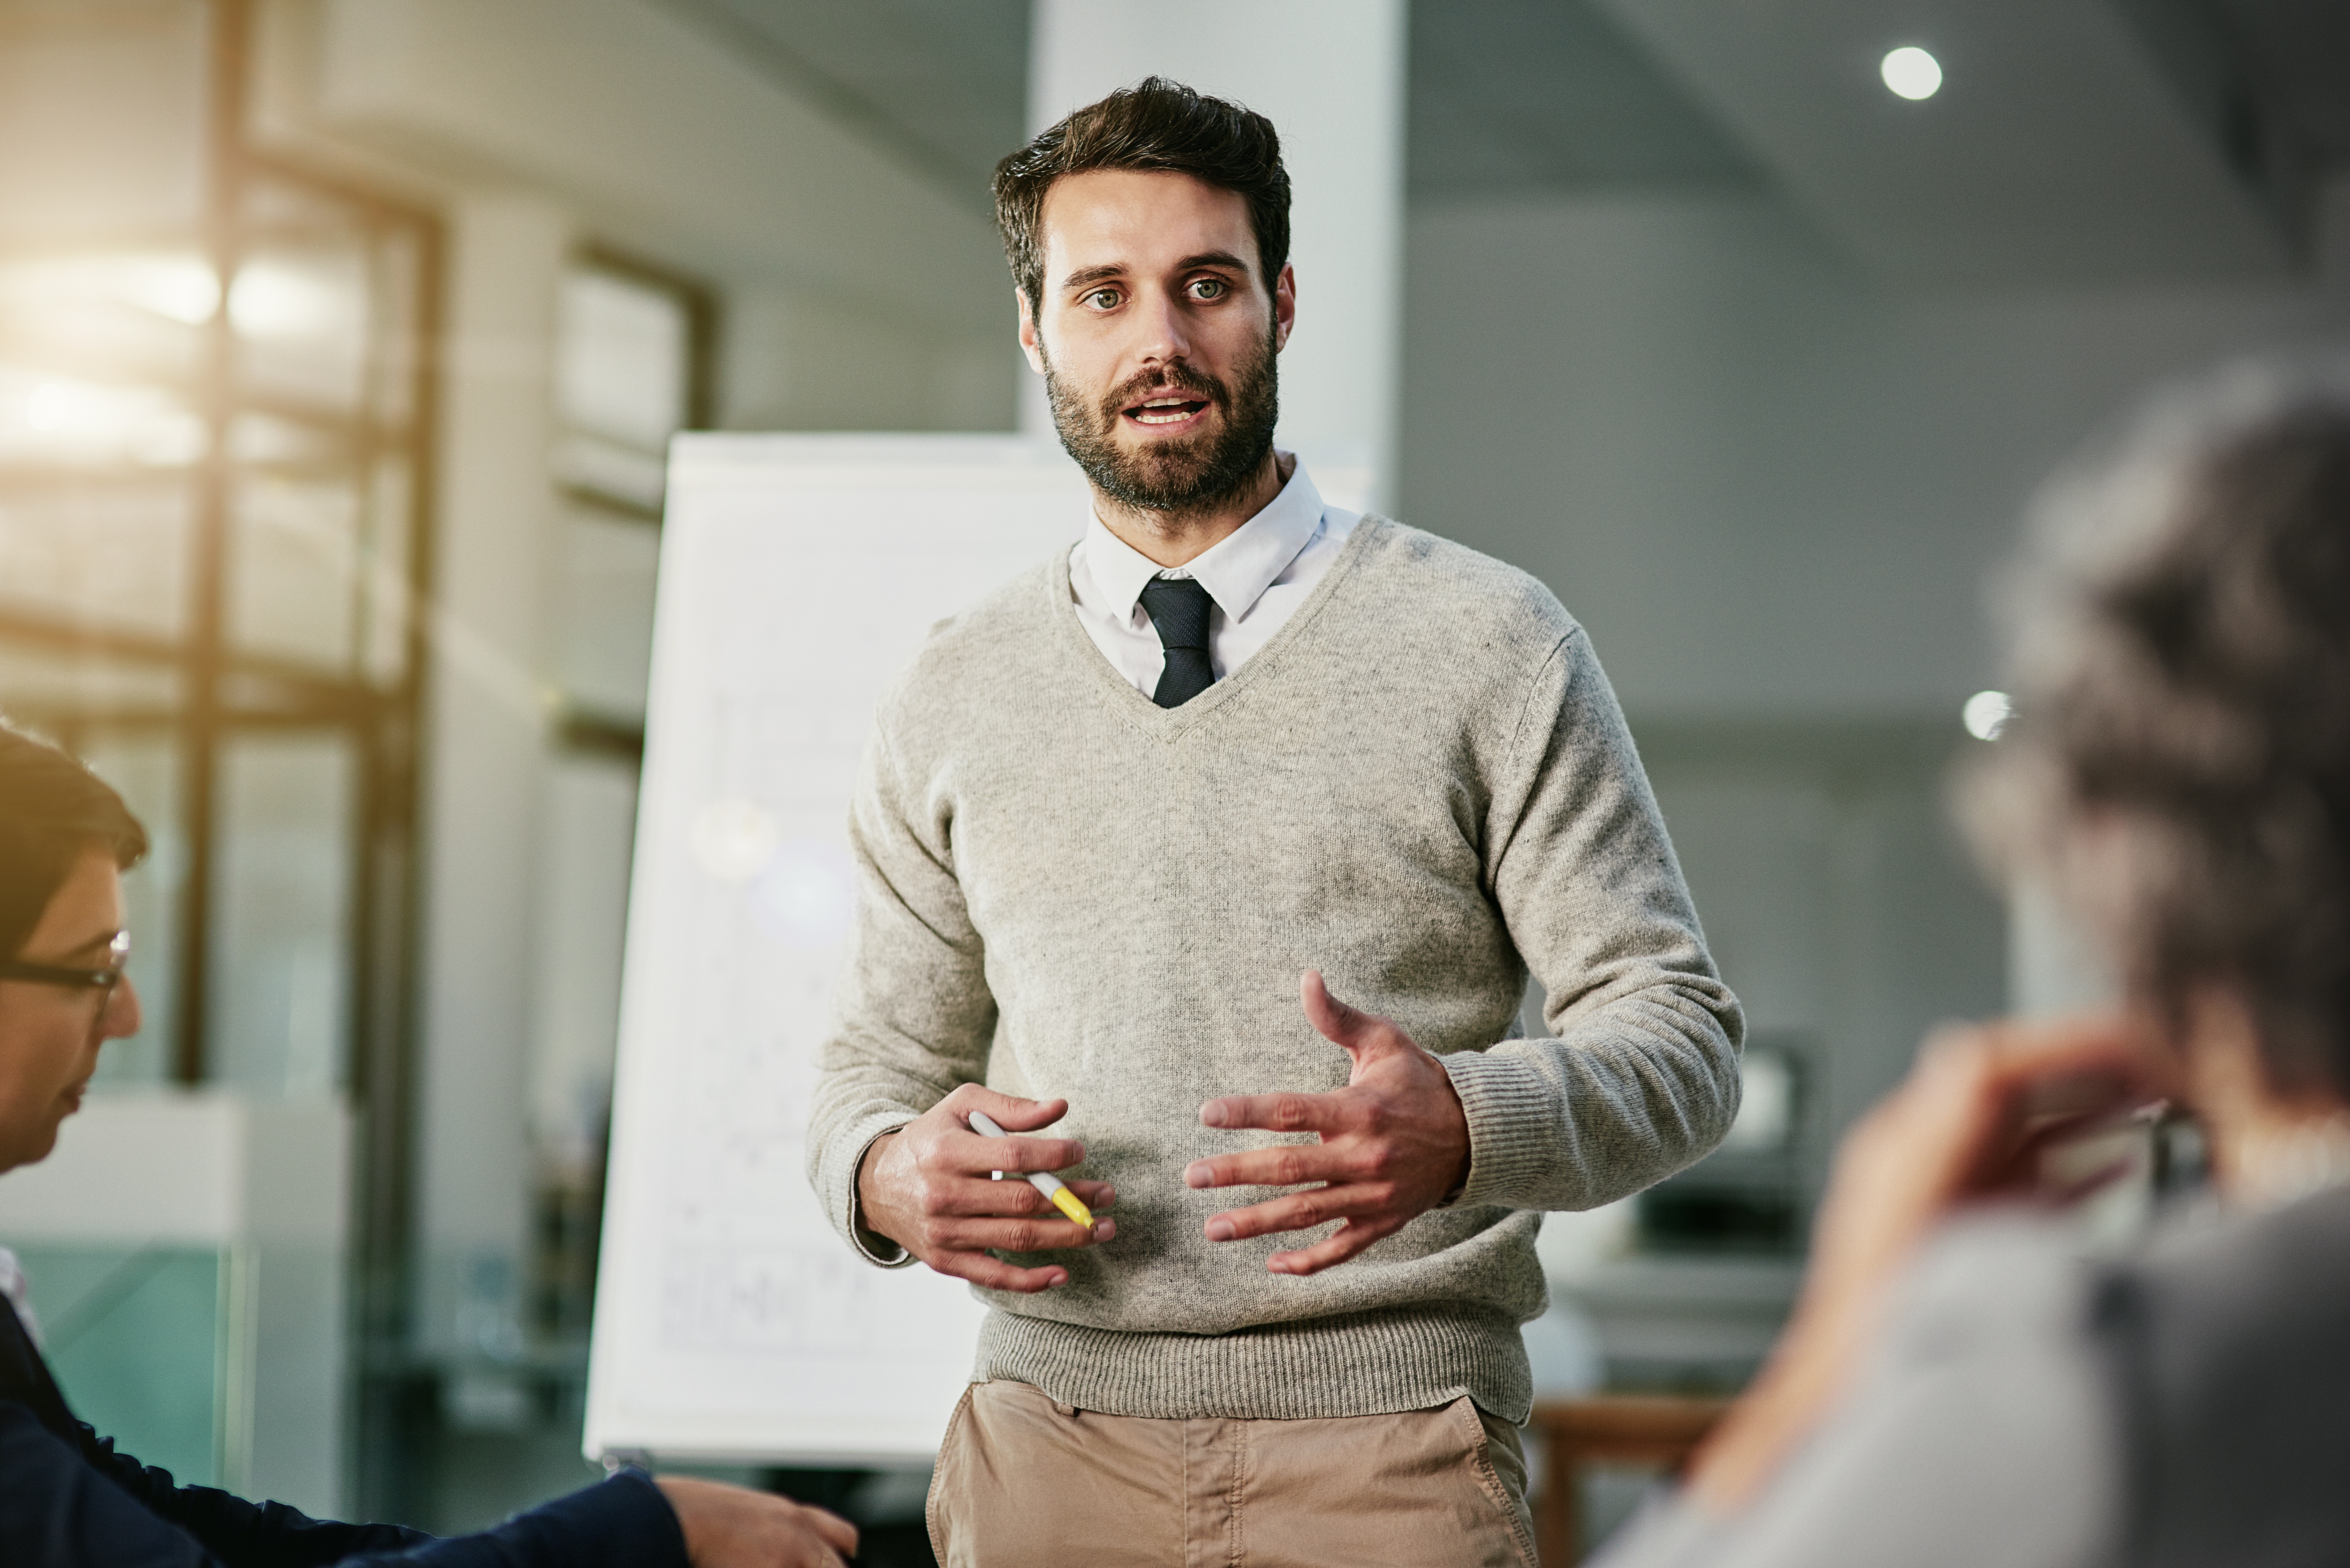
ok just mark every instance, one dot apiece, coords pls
pixel 1934 1398
pixel 63 1505
pixel 1983 1434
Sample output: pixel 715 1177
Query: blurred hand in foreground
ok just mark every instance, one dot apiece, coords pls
pixel 1970 1124
pixel 732 1527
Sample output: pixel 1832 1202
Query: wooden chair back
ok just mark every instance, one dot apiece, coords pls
pixel 1608 1429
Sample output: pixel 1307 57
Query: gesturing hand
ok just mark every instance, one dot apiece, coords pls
pixel 1980 1106
pixel 1971 1121
pixel 730 1527
pixel 1394 1141
pixel 926 1187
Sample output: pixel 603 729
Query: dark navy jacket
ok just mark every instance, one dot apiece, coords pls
pixel 68 1500
pixel 2228 1349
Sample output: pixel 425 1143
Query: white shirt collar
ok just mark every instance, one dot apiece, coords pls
pixel 18 1295
pixel 1236 570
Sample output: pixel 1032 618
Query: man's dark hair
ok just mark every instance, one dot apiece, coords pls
pixel 2180 762
pixel 1155 124
pixel 53 811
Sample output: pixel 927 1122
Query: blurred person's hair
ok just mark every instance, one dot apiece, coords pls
pixel 1154 125
pixel 2178 768
pixel 53 811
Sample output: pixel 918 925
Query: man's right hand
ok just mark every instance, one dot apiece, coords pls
pixel 926 1186
pixel 730 1527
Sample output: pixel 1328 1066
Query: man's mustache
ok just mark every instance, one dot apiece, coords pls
pixel 1177 377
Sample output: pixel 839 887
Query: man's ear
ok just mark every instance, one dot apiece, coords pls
pixel 1028 344
pixel 1285 306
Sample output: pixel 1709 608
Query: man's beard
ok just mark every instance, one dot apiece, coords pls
pixel 1171 476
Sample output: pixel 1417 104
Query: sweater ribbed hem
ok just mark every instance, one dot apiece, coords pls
pixel 1362 1363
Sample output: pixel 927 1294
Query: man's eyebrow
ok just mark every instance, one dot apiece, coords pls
pixel 1092 274
pixel 1110 272
pixel 1212 258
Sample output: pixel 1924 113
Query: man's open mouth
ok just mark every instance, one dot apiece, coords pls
pixel 1166 411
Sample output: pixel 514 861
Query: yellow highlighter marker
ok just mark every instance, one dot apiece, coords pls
pixel 1043 1181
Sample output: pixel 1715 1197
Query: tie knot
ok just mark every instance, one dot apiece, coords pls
pixel 1177 608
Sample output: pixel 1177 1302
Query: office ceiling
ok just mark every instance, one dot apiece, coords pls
pixel 1505 94
pixel 1527 96
pixel 941 84
pixel 1549 94
pixel 2073 141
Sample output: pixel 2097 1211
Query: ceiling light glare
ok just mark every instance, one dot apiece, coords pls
pixel 1911 73
pixel 1986 714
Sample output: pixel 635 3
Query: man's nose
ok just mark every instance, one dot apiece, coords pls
pixel 122 1014
pixel 1165 329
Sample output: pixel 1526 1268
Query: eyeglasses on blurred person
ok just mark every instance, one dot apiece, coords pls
pixel 68 1499
pixel 1964 1381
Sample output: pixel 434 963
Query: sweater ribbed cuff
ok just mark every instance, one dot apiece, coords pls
pixel 842 1200
pixel 1512 1123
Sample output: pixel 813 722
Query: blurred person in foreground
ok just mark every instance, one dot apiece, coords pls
pixel 66 1497
pixel 1964 1381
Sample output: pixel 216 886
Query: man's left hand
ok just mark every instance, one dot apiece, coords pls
pixel 1395 1141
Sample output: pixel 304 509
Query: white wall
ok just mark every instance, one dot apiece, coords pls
pixel 1766 486
pixel 1835 896
pixel 1773 492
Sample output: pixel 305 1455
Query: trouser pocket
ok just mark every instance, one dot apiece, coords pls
pixel 947 1474
pixel 1499 1464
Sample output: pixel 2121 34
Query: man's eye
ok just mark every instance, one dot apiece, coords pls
pixel 1101 298
pixel 1210 288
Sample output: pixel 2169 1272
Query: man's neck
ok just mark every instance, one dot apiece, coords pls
pixel 1177 538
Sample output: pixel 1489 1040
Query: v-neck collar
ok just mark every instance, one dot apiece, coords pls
pixel 1170 723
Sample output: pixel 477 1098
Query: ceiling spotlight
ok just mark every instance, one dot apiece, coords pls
pixel 1911 73
pixel 1986 713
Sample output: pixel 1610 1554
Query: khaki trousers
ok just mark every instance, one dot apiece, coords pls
pixel 1022 1480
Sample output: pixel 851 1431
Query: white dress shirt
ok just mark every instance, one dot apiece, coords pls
pixel 18 1294
pixel 1257 576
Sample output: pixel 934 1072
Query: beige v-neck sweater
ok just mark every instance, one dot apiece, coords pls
pixel 1421 787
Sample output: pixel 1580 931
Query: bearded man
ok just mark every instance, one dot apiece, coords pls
pixel 1118 815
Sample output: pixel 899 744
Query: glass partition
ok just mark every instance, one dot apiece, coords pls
pixel 214 394
pixel 212 383
pixel 282 912
pixel 143 762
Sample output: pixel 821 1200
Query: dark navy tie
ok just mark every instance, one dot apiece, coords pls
pixel 1177 608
